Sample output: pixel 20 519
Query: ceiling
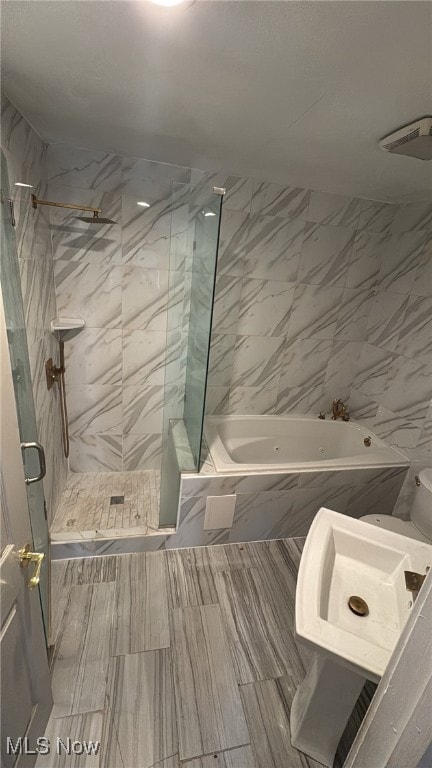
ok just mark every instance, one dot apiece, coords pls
pixel 298 93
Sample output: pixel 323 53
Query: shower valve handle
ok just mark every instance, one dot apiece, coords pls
pixel 53 372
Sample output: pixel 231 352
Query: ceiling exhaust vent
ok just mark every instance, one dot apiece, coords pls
pixel 414 140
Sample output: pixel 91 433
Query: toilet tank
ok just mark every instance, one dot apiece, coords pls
pixel 421 513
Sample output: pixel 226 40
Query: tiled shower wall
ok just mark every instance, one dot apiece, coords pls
pixel 317 296
pixel 117 278
pixel 321 296
pixel 25 157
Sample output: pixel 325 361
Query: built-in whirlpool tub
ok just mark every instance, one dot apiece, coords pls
pixel 294 443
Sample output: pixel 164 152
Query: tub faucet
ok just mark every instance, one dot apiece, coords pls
pixel 340 411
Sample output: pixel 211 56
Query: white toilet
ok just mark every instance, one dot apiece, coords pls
pixel 420 525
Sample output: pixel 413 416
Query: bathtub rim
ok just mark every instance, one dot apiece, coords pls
pixel 223 464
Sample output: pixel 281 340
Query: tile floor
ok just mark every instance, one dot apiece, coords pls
pixel 86 509
pixel 179 658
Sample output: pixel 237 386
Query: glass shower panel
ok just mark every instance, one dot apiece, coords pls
pixel 20 364
pixel 195 223
pixel 206 236
pixel 179 277
pixel 179 280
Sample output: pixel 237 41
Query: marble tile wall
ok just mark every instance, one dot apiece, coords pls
pixel 26 162
pixel 120 278
pixel 318 295
pixel 321 296
pixel 307 281
pixel 392 388
pixel 269 506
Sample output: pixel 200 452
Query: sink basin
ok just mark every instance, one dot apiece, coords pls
pixel 346 562
pixel 346 557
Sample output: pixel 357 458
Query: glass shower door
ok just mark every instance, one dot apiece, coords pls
pixel 20 365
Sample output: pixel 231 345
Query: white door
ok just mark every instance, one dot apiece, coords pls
pixel 26 699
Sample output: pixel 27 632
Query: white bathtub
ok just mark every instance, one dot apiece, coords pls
pixel 294 443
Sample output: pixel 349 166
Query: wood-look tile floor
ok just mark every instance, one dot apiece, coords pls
pixel 85 509
pixel 178 658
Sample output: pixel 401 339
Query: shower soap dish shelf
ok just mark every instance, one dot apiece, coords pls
pixel 67 327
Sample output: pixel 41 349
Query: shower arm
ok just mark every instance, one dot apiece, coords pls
pixel 36 202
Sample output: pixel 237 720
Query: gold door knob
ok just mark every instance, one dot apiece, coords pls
pixel 26 557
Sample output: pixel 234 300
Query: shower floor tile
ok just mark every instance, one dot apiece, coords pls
pixel 90 508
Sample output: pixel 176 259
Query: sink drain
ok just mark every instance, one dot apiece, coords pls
pixel 358 606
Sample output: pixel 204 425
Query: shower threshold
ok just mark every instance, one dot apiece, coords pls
pixel 97 505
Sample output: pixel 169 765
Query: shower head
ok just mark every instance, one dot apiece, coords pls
pixel 95 219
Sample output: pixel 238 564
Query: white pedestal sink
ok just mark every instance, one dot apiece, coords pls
pixel 344 557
